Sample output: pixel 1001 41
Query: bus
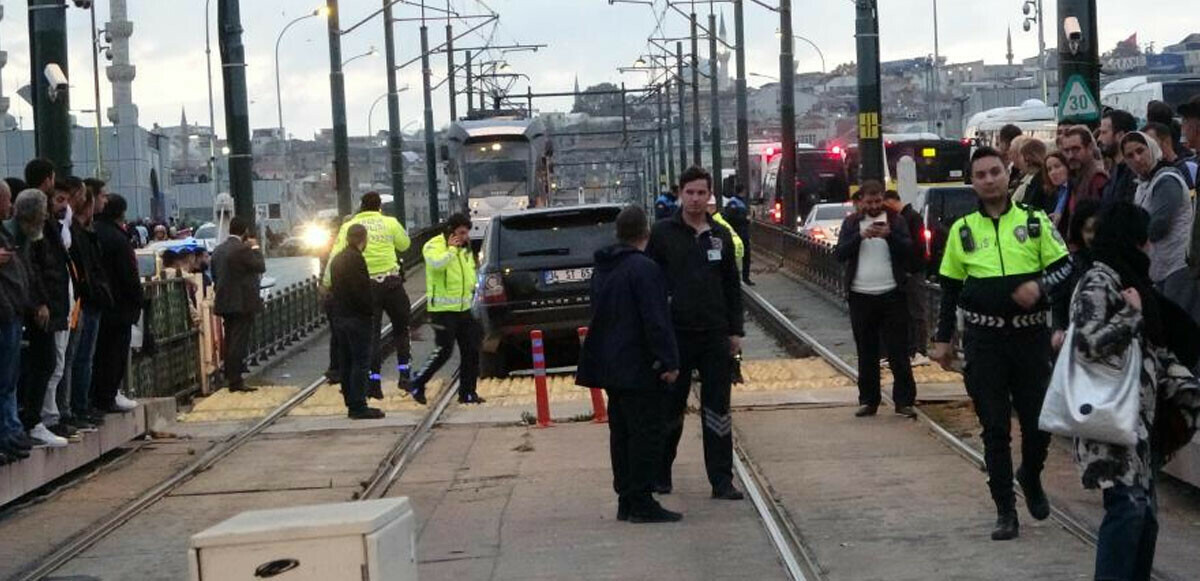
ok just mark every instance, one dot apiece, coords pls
pixel 496 164
pixel 1134 94
pixel 939 160
pixel 1033 117
pixel 820 178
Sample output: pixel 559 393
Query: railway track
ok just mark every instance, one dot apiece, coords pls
pixel 783 328
pixel 389 469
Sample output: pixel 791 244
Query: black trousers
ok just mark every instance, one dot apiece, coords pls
pixel 1007 370
pixel 451 328
pixel 389 296
pixel 111 359
pixel 745 236
pixel 37 365
pixel 635 440
pixel 708 353
pixel 870 317
pixel 236 346
pixel 335 356
pixel 354 350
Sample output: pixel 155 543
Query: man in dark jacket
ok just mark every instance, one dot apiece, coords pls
pixel 914 288
pixel 14 305
pixel 1122 183
pixel 119 264
pixel 737 213
pixel 697 255
pixel 237 267
pixel 630 352
pixel 875 246
pixel 94 295
pixel 352 313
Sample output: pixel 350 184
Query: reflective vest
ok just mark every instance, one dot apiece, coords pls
pixel 386 239
pixel 739 249
pixel 449 276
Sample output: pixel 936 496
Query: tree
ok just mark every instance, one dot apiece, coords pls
pixel 599 105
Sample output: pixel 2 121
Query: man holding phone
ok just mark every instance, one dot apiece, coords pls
pixel 875 245
pixel 238 266
pixel 450 288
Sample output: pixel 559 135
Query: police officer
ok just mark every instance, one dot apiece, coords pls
pixel 1001 264
pixel 737 213
pixel 386 239
pixel 666 204
pixel 697 255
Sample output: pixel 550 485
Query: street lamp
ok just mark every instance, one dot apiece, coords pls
pixel 371 52
pixel 370 115
pixel 322 11
pixel 810 43
pixel 1032 9
pixel 762 76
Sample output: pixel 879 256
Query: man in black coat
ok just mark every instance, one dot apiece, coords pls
pixel 914 288
pixel 237 267
pixel 737 213
pixel 697 256
pixel 116 322
pixel 352 309
pixel 630 352
pixel 875 246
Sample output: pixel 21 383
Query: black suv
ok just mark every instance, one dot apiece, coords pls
pixel 535 273
pixel 944 205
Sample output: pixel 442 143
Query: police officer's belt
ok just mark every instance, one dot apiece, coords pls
pixel 386 275
pixel 998 322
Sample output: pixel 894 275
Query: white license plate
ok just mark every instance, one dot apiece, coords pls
pixel 567 275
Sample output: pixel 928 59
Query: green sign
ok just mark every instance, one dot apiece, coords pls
pixel 1076 102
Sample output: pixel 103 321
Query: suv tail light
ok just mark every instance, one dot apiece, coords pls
pixel 927 234
pixel 493 288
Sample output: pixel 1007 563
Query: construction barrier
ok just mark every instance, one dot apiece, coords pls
pixel 539 380
pixel 599 413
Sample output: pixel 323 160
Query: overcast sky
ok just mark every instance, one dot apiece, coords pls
pixel 588 38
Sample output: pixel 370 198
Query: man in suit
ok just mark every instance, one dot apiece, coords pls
pixel 237 267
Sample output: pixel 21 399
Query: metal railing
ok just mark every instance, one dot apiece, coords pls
pixel 814 262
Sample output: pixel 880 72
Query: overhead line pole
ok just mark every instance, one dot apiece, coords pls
pixel 696 147
pixel 743 128
pixel 395 134
pixel 714 116
pixel 683 158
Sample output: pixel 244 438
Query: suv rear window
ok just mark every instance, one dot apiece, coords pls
pixel 574 233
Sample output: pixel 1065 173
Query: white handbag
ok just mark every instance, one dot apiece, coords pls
pixel 1092 399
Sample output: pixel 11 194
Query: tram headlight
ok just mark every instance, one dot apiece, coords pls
pixel 315 236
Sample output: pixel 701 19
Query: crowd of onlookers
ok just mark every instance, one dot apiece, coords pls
pixel 70 294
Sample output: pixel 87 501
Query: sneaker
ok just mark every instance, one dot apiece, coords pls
pixel 64 430
pixel 470 398
pixel 82 424
pixel 19 440
pixel 906 411
pixel 919 360
pixel 366 414
pixel 96 417
pixel 728 493
pixel 43 437
pixel 417 391
pixel 13 451
pixel 1007 527
pixel 866 410
pixel 123 403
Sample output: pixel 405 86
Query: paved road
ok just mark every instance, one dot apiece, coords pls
pixel 291 270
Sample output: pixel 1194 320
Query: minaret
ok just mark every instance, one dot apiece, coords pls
pixel 6 120
pixel 723 54
pixel 121 73
pixel 1010 51
pixel 184 136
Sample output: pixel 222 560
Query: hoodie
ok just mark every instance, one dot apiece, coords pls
pixel 1164 195
pixel 630 340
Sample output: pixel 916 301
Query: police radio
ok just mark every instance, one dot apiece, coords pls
pixel 967 239
pixel 1033 225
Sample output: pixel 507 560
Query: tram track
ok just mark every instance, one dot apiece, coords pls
pixel 784 329
pixel 386 473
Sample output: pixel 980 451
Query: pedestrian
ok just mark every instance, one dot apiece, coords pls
pixel 1005 141
pixel 1001 262
pixel 697 256
pixel 739 252
pixel 1162 191
pixel 666 204
pixel 1056 183
pixel 737 214
pixel 875 246
pixel 93 295
pixel 1079 241
pixel 1114 125
pixel 56 270
pixel 1087 176
pixel 916 264
pixel 1031 159
pixel 1116 304
pixel 385 241
pixel 1190 112
pixel 1186 166
pixel 353 308
pixel 237 265
pixel 14 304
pixel 1162 113
pixel 450 288
pixel 40 174
pixel 630 352
pixel 113 337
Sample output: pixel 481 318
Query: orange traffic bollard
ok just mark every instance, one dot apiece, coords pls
pixel 599 413
pixel 539 380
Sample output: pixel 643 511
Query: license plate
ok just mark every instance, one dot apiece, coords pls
pixel 567 275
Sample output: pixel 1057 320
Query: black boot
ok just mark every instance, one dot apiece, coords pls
pixel 1035 495
pixel 622 510
pixel 653 512
pixel 1007 527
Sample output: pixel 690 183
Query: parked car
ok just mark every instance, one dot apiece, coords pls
pixel 824 222
pixel 535 272
pixel 943 205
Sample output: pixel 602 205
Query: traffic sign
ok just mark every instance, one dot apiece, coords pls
pixel 1077 102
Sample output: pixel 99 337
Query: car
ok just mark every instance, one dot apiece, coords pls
pixel 207 234
pixel 824 222
pixel 535 273
pixel 943 205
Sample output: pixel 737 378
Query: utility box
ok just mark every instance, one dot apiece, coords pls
pixel 355 541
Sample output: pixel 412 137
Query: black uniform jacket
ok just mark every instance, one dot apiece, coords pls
pixel 702 275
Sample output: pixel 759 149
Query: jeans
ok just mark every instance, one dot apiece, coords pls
pixel 1128 533
pixel 50 415
pixel 80 373
pixel 354 356
pixel 871 315
pixel 635 438
pixel 707 352
pixel 37 364
pixel 10 370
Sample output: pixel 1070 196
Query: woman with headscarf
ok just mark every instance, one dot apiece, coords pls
pixel 1115 304
pixel 1162 191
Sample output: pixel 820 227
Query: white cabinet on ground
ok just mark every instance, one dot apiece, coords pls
pixel 354 541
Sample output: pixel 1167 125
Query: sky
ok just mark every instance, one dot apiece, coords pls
pixel 587 38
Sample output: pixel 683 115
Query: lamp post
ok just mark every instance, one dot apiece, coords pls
pixel 820 54
pixel 278 89
pixel 212 123
pixel 1032 9
pixel 370 52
